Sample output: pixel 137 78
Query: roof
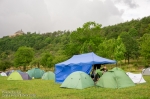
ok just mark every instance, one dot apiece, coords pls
pixel 86 58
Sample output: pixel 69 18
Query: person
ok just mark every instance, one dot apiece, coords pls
pixel 93 73
pixel 95 68
pixel 98 66
pixel 104 69
pixel 98 75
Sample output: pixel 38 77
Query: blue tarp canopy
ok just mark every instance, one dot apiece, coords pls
pixel 82 62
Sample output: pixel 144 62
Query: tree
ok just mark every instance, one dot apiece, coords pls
pixel 23 56
pixel 5 64
pixel 88 47
pixel 84 39
pixel 145 47
pixel 106 48
pixel 133 33
pixel 3 55
pixel 119 50
pixel 35 62
pixel 46 60
pixel 131 45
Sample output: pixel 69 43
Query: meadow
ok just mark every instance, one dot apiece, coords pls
pixel 47 89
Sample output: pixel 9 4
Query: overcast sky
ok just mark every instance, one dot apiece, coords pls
pixel 43 16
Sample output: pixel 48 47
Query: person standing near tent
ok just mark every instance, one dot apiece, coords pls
pixel 104 69
pixel 98 73
pixel 93 73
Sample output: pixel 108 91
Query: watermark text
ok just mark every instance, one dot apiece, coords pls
pixel 16 94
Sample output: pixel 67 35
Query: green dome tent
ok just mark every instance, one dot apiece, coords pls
pixel 115 78
pixel 36 73
pixel 116 68
pixel 48 76
pixel 78 80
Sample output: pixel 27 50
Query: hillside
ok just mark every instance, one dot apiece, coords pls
pixel 63 44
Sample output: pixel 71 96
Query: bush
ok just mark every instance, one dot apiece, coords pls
pixel 146 65
pixel 4 65
pixel 135 65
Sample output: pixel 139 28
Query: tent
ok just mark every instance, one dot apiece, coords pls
pixel 115 78
pixel 25 76
pixel 116 68
pixel 18 70
pixel 9 72
pixel 78 80
pixel 36 73
pixel 3 74
pixel 18 76
pixel 82 62
pixel 146 71
pixel 136 78
pixel 48 76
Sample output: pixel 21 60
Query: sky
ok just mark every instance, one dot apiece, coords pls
pixel 42 16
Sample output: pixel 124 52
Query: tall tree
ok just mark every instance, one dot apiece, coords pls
pixel 47 60
pixel 35 62
pixel 119 50
pixel 133 33
pixel 106 48
pixel 130 44
pixel 145 47
pixel 23 56
pixel 86 36
pixel 88 46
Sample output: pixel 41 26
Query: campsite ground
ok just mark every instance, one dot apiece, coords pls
pixel 46 89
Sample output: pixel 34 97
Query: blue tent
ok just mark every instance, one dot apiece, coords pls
pixel 82 62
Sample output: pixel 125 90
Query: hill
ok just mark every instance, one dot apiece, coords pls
pixel 89 38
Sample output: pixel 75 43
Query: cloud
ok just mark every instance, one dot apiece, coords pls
pixel 138 10
pixel 52 15
pixel 129 3
pixel 75 14
pixel 29 15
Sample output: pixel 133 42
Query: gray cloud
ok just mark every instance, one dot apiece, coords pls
pixel 52 15
pixel 129 3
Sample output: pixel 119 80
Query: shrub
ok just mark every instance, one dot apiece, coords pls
pixel 146 65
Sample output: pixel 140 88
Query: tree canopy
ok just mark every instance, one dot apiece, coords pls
pixel 23 56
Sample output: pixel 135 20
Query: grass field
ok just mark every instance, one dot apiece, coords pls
pixel 46 89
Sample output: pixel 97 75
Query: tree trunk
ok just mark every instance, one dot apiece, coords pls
pixel 128 59
pixel 116 64
pixel 24 68
pixel 38 65
pixel 19 67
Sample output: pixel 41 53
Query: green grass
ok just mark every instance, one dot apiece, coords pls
pixel 46 89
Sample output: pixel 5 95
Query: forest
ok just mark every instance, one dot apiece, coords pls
pixel 124 41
